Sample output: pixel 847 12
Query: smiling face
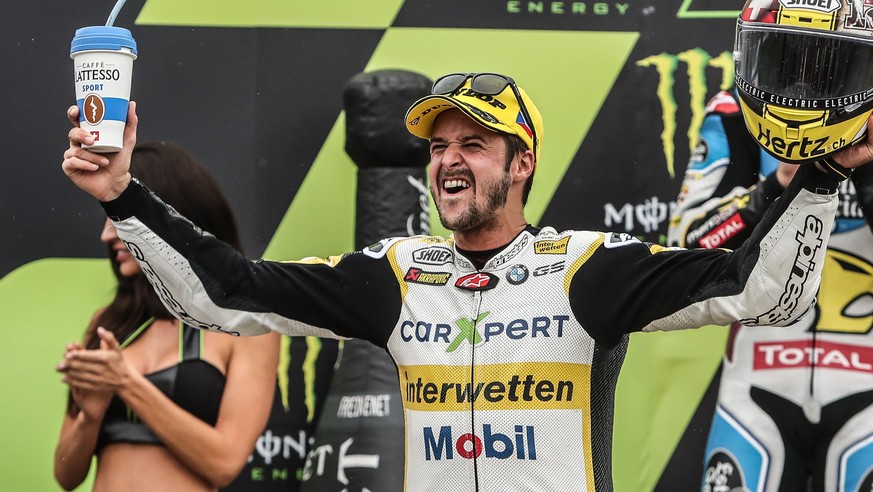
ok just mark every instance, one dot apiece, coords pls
pixel 127 265
pixel 468 174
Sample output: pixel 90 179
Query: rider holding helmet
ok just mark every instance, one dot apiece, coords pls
pixel 795 404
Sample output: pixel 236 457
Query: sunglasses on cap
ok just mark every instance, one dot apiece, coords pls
pixel 488 84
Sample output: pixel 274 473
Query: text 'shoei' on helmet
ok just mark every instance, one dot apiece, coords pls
pixel 804 73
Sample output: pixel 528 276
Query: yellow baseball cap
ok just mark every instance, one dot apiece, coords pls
pixel 494 101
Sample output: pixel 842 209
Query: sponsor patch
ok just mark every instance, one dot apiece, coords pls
pixel 825 355
pixel 823 6
pixel 558 247
pixel 858 18
pixel 419 276
pixel 723 472
pixel 477 281
pixel 712 223
pixel 510 386
pixel 354 406
pixel 499 260
pixel 517 274
pixel 93 109
pixel 440 444
pixel 761 11
pixel 468 330
pixel 433 255
pixel 720 235
pixel 547 269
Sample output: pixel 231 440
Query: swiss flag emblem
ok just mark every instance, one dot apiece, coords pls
pixel 760 11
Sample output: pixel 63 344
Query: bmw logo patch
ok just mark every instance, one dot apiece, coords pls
pixel 517 274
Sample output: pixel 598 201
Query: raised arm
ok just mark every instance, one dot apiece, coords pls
pixel 103 176
pixel 771 280
pixel 209 285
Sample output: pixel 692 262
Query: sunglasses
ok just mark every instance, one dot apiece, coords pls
pixel 488 84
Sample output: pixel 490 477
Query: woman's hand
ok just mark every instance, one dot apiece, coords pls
pixel 96 373
pixel 93 377
pixel 92 404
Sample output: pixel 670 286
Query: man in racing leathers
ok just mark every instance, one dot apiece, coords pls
pixel 508 339
pixel 795 404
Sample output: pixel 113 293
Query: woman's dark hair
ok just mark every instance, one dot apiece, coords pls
pixel 177 178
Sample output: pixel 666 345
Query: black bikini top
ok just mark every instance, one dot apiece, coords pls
pixel 194 384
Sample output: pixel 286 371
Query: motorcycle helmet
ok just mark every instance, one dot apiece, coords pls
pixel 804 74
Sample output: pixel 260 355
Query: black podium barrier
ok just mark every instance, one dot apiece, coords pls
pixel 359 442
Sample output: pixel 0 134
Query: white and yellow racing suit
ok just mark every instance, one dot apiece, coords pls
pixel 795 404
pixel 507 372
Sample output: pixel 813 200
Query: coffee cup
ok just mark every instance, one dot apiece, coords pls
pixel 103 66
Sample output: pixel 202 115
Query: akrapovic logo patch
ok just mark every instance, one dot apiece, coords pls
pixel 419 276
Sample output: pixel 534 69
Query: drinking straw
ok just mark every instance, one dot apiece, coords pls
pixel 114 13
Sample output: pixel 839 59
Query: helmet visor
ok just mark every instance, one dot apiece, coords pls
pixel 800 68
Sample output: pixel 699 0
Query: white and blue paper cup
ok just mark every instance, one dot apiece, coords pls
pixel 103 65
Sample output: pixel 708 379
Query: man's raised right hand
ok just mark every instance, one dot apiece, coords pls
pixel 104 176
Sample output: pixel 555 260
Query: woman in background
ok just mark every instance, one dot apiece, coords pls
pixel 162 405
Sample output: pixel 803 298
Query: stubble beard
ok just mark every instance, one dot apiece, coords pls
pixel 475 216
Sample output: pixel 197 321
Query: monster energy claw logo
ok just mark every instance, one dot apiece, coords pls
pixel 696 61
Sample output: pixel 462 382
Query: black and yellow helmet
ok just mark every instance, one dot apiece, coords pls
pixel 804 73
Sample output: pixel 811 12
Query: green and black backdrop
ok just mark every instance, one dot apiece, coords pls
pixel 254 89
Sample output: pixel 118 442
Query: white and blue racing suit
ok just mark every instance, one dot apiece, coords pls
pixel 795 404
